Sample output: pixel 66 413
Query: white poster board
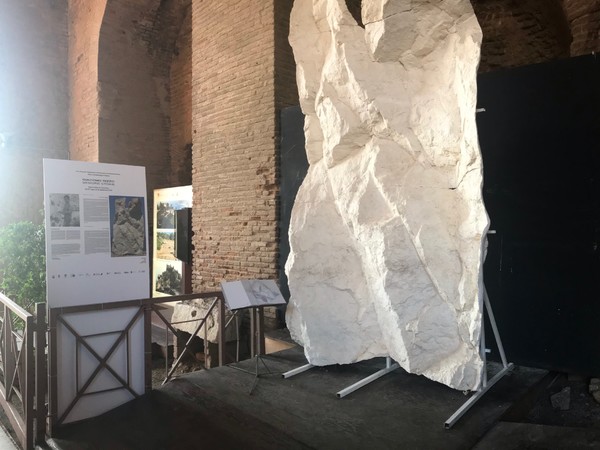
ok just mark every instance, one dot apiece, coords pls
pixel 96 252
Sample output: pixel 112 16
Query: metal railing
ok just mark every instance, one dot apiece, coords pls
pixel 23 370
pixel 27 362
pixel 146 308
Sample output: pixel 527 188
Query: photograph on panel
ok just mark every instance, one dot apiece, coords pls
pixel 128 229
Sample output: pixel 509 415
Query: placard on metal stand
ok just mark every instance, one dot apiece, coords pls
pixel 253 295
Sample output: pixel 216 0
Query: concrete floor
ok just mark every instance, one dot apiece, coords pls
pixel 212 409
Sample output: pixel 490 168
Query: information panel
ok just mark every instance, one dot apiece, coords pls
pixel 96 232
pixel 96 252
pixel 167 269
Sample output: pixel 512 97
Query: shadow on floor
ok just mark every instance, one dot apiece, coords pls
pixel 557 413
pixel 212 409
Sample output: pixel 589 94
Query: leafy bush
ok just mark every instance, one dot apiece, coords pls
pixel 23 263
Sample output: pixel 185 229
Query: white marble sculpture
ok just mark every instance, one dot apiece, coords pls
pixel 388 229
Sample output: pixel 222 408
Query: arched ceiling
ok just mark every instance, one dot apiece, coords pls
pixel 521 32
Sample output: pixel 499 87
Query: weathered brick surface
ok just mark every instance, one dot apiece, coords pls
pixel 534 31
pixel 236 96
pixel 133 79
pixel 584 21
pixel 286 91
pixel 121 55
pixel 85 19
pixel 33 101
pixel 517 33
pixel 180 145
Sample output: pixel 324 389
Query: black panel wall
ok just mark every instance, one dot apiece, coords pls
pixel 540 139
pixel 293 168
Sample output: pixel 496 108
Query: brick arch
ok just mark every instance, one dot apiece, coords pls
pixel 137 43
pixel 85 19
pixel 584 21
pixel 520 32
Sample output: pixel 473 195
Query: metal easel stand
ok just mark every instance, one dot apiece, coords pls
pixel 485 384
pixel 389 367
pixel 258 347
pixel 256 372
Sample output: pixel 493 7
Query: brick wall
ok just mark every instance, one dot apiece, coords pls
pixel 234 176
pixel 33 101
pixel 286 91
pixel 85 19
pixel 133 126
pixel 236 97
pixel 180 145
pixel 517 33
pixel 584 21
pixel 121 52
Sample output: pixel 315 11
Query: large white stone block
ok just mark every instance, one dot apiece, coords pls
pixel 388 229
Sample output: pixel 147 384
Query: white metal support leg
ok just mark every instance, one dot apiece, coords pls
pixel 388 368
pixel 485 384
pixel 296 371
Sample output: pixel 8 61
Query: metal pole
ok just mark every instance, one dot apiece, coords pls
pixel 485 387
pixel 147 348
pixel 483 354
pixel 41 382
pixel 27 377
pixel 490 312
pixel 237 338
pixel 476 396
pixel 221 332
pixel 389 367
pixel 252 332
pixel 291 373
pixel 52 370
pixel 260 330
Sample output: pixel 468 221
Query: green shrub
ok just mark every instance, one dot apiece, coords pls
pixel 23 263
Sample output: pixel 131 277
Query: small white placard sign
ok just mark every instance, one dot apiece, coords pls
pixel 251 294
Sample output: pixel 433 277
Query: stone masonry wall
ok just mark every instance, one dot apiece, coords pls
pixel 33 101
